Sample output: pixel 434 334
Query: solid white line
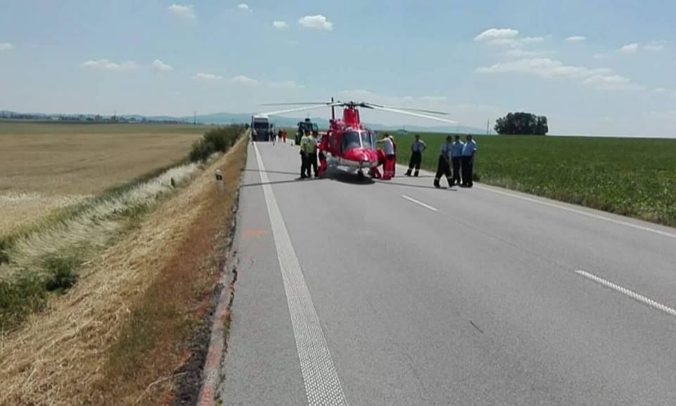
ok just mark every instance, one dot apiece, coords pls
pixel 630 293
pixel 580 212
pixel 427 206
pixel 322 385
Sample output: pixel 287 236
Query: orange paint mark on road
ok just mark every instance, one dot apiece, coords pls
pixel 255 232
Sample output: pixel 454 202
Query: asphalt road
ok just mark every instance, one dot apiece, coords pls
pixel 396 293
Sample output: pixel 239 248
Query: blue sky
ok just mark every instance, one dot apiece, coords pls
pixel 593 67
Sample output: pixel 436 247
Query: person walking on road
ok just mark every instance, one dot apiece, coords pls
pixel 468 151
pixel 304 159
pixel 456 159
pixel 444 165
pixel 417 149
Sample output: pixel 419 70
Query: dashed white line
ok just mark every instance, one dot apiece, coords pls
pixel 322 385
pixel 630 293
pixel 580 212
pixel 427 206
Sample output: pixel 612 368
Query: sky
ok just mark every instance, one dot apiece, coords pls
pixel 602 67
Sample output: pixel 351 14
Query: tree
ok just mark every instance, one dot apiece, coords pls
pixel 522 123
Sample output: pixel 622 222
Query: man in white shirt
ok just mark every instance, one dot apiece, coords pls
pixel 417 149
pixel 388 150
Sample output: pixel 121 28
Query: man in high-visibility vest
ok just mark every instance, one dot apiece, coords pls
pixel 308 146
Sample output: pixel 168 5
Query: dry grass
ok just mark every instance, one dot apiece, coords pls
pixel 121 327
pixel 45 166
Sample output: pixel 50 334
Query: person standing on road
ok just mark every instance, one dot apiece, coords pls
pixel 312 155
pixel 456 158
pixel 417 149
pixel 304 160
pixel 444 164
pixel 468 151
pixel 388 150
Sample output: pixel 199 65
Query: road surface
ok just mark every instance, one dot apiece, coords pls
pixel 396 293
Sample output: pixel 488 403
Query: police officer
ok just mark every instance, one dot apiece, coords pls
pixel 444 165
pixel 304 159
pixel 468 151
pixel 456 158
pixel 417 148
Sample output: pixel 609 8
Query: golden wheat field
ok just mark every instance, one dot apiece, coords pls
pixel 44 166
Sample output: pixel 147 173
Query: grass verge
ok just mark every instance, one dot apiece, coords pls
pixel 628 176
pixel 156 340
pixel 120 334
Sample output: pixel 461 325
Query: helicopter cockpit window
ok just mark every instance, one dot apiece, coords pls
pixel 351 139
pixel 367 139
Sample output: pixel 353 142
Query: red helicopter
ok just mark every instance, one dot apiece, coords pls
pixel 347 144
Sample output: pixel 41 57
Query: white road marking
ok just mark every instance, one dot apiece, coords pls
pixel 427 206
pixel 322 385
pixel 630 293
pixel 580 212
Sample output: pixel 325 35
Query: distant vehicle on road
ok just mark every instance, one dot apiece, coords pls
pixel 261 128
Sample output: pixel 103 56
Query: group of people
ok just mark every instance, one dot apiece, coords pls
pixel 308 155
pixel 456 160
pixel 280 136
pixel 458 156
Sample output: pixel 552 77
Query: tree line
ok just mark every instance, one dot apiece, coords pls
pixel 522 124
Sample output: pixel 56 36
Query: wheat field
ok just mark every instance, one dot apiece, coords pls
pixel 46 166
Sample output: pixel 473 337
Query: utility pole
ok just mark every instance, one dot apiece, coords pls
pixel 488 125
pixel 194 118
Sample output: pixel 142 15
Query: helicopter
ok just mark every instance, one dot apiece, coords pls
pixel 348 145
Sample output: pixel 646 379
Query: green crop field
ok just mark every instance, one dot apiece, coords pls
pixel 629 176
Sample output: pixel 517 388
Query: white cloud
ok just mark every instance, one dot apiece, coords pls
pixel 207 77
pixel 161 66
pixel 244 7
pixel 317 22
pixel 599 78
pixel 629 49
pixel 183 11
pixel 6 46
pixel 280 25
pixel 576 38
pixel 244 80
pixel 506 37
pixel 105 64
pixel 655 46
pixel 493 34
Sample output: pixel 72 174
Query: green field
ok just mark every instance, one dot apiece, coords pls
pixel 628 176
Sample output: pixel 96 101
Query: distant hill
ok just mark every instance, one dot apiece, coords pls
pixel 230 118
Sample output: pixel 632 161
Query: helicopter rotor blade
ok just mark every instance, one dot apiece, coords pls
pixel 278 112
pixel 410 109
pixel 410 113
pixel 296 104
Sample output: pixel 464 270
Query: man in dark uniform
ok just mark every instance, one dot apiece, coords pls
pixel 468 151
pixel 417 148
pixel 444 165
